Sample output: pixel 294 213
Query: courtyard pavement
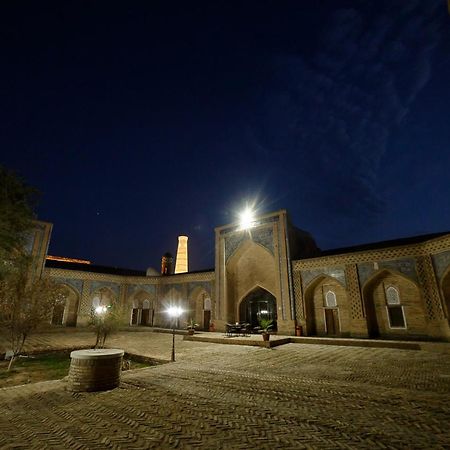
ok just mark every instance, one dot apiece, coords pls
pixel 238 397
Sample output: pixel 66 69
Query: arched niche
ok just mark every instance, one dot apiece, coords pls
pixel 327 309
pixel 103 296
pixel 172 297
pixel 393 305
pixel 141 309
pixel 250 265
pixel 200 307
pixel 65 312
pixel 258 304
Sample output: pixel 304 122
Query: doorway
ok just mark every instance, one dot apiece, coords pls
pixel 258 304
pixel 332 321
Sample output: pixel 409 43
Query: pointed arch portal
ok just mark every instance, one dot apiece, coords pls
pixel 258 304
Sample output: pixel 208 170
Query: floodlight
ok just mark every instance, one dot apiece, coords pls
pixel 246 219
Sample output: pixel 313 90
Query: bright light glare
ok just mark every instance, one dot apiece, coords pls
pixel 246 219
pixel 100 309
pixel 174 311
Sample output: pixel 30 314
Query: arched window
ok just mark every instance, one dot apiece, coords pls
pixel 392 296
pixel 330 299
pixel 395 311
pixel 146 304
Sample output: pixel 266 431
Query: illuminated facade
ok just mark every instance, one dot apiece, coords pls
pixel 398 289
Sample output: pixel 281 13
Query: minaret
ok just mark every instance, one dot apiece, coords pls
pixel 181 265
pixel 166 264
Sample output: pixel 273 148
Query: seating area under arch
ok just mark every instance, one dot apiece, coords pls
pixel 258 304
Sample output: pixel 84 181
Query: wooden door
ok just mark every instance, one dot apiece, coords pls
pixel 206 320
pixel 58 313
pixel 134 316
pixel 145 316
pixel 332 321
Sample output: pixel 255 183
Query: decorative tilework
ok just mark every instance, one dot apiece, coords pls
pixel 133 288
pixel 433 246
pixel 299 308
pixel 85 297
pixel 353 292
pixel 233 241
pixel 76 284
pixel 195 284
pixel 406 266
pixel 96 285
pixel 333 272
pixel 264 237
pixel 441 262
pixel 429 288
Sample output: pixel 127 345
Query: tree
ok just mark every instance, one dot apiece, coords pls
pixel 105 320
pixel 17 201
pixel 26 302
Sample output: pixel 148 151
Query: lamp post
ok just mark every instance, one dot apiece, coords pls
pixel 174 312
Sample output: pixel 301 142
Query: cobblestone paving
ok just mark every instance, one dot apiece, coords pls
pixel 234 397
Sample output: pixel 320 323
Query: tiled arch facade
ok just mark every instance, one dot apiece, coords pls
pixel 419 271
pixel 283 259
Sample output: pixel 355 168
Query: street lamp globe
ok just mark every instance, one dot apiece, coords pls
pixel 174 312
pixel 100 309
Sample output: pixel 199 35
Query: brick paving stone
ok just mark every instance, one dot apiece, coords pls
pixel 294 396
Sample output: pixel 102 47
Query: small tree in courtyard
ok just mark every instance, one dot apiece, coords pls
pixel 26 302
pixel 105 320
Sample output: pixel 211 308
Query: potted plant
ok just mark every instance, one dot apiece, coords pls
pixel 191 326
pixel 266 325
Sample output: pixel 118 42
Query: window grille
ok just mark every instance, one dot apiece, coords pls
pixel 395 311
pixel 330 299
pixel 392 296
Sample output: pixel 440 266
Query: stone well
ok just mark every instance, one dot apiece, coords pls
pixel 95 370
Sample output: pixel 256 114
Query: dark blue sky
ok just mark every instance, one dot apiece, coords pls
pixel 140 121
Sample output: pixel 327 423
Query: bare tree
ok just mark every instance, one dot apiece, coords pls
pixel 26 303
pixel 105 320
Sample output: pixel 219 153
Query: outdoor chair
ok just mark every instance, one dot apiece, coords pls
pixel 245 329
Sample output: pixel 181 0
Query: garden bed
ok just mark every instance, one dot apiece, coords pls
pixel 51 366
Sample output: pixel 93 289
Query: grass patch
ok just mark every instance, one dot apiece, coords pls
pixel 42 367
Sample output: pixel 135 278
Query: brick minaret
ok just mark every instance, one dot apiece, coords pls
pixel 181 265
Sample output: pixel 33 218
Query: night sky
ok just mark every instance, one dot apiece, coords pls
pixel 140 121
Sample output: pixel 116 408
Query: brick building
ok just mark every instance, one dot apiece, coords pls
pixel 395 289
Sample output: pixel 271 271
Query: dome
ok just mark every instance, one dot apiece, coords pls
pixel 151 272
